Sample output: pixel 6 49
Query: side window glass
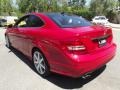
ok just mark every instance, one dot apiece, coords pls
pixel 35 21
pixel 23 22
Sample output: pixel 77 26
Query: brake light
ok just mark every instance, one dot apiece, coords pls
pixel 74 46
pixel 109 32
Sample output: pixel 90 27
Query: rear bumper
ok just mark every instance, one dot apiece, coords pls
pixel 90 62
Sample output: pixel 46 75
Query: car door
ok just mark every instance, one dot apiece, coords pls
pixel 30 32
pixel 13 36
pixel 19 35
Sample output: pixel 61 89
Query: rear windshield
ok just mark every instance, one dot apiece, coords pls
pixel 64 20
pixel 102 18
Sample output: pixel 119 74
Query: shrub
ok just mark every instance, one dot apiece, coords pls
pixel 84 12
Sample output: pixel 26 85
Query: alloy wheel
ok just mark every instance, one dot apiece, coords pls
pixel 39 62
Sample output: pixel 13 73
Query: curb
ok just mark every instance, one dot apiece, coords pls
pixel 115 25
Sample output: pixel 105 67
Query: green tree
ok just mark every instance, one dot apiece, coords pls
pixel 119 2
pixel 102 7
pixel 6 7
pixel 77 3
pixel 26 6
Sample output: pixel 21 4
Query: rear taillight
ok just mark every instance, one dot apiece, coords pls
pixel 110 38
pixel 74 46
pixel 109 30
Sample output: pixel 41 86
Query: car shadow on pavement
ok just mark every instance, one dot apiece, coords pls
pixel 60 80
pixel 72 83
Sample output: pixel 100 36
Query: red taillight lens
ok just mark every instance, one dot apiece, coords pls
pixel 109 32
pixel 74 46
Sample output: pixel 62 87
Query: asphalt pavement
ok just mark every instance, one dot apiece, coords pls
pixel 17 73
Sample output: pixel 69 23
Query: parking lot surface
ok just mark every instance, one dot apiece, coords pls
pixel 17 73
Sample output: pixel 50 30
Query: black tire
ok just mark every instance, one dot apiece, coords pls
pixel 44 62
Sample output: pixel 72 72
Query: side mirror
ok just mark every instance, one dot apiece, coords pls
pixel 10 26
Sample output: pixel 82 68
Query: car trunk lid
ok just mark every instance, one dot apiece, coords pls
pixel 93 37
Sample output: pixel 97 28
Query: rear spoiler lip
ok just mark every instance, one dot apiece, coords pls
pixel 101 38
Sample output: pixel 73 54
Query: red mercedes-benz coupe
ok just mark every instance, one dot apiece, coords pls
pixel 61 43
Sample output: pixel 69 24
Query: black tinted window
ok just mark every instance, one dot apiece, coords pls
pixel 65 20
pixel 22 22
pixel 34 21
